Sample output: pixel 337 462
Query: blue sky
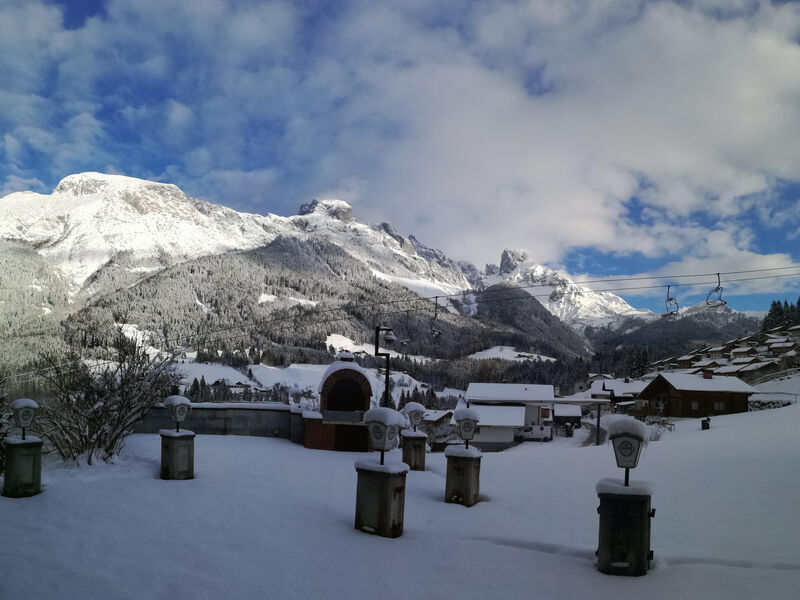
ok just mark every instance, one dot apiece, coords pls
pixel 605 138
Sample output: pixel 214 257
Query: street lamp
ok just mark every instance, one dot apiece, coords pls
pixel 388 339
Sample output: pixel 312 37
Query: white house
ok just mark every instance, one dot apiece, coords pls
pixel 505 409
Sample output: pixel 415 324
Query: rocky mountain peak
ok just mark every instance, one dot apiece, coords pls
pixel 337 209
pixel 511 260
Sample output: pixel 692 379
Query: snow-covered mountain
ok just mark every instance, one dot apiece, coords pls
pixel 92 220
pixel 575 305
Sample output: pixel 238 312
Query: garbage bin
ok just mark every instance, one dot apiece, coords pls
pixel 705 424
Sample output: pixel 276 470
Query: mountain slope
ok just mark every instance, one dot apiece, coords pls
pixel 577 306
pixel 92 222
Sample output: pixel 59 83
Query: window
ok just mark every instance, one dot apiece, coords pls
pixel 695 405
pixel 720 405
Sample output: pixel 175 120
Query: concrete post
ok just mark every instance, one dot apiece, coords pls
pixel 296 425
pixel 23 470
pixel 177 454
pixel 624 538
pixel 380 497
pixel 463 475
pixel 414 443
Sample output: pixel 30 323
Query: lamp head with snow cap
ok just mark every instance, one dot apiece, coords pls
pixel 466 423
pixel 24 409
pixel 414 411
pixel 179 408
pixel 628 436
pixel 383 425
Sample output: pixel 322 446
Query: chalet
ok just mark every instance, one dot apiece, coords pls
pixel 505 409
pixel 597 377
pixel 716 352
pixel 778 348
pixel 742 351
pixel 687 360
pixel 686 395
pixel 617 389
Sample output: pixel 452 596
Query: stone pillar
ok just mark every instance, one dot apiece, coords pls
pixel 414 444
pixel 624 539
pixel 296 425
pixel 177 454
pixel 23 470
pixel 380 497
pixel 463 484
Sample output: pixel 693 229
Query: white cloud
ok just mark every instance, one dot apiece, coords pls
pixel 524 124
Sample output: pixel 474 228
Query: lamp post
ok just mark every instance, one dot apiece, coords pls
pixel 389 339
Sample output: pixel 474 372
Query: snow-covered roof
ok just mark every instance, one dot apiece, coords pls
pixel 686 382
pixel 509 392
pixel 621 387
pixel 717 362
pixel 744 360
pixel 566 410
pixel 717 349
pixel 728 369
pixel 435 415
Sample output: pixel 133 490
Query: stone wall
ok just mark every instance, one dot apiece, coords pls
pixel 262 419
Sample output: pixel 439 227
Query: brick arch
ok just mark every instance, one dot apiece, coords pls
pixel 349 382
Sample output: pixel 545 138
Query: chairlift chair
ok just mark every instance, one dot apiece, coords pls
pixel 671 305
pixel 714 297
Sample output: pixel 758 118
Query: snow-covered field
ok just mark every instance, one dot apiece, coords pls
pixel 265 518
pixel 508 353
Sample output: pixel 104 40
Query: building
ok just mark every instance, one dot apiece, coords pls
pixel 505 409
pixel 686 395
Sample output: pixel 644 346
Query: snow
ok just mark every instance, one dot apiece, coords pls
pixel 176 401
pixel 508 353
pixel 21 403
pixel 413 406
pixel 683 382
pixel 342 343
pixel 618 424
pixel 18 441
pixel 176 434
pixel 458 451
pixel 267 518
pixel 410 433
pixel 609 485
pixel 462 414
pixel 387 416
pixel 373 464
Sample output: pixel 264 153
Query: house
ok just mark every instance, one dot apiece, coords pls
pixel 617 389
pixel 687 360
pixel 716 352
pixel 505 409
pixel 686 395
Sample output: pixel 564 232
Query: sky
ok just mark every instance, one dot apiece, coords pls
pixel 606 138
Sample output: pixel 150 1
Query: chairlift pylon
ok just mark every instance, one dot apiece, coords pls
pixel 435 332
pixel 714 297
pixel 671 305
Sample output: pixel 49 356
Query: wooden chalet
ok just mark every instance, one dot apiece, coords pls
pixel 686 395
